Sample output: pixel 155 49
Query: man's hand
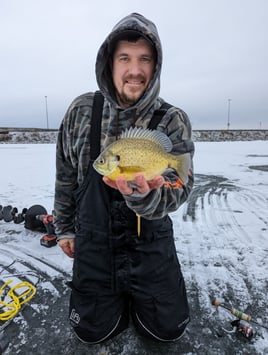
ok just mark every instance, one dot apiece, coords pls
pixel 143 186
pixel 67 245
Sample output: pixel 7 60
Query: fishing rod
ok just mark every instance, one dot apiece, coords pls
pixel 237 313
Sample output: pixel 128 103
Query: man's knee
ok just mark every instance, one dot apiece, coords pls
pixel 160 332
pixel 95 335
pixel 96 318
pixel 163 316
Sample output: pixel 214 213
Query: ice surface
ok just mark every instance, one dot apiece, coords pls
pixel 221 239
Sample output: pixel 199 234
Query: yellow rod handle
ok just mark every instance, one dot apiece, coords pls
pixel 138 225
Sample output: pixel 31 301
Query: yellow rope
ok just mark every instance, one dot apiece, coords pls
pixel 12 308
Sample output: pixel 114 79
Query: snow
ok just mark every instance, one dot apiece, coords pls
pixel 220 233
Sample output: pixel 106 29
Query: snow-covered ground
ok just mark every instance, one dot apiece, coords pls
pixel 221 238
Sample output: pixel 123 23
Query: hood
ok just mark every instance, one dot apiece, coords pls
pixel 148 30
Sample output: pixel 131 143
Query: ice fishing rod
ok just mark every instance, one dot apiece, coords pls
pixel 237 313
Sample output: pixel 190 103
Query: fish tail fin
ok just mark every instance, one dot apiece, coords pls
pixel 182 164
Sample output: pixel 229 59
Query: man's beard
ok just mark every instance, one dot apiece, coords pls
pixel 126 100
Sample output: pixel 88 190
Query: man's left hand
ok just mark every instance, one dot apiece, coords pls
pixel 142 186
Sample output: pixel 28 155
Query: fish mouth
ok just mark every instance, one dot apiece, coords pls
pixel 102 171
pixel 97 168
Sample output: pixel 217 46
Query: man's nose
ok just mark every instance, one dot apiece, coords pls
pixel 134 67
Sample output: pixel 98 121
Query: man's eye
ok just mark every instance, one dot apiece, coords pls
pixel 146 59
pixel 123 59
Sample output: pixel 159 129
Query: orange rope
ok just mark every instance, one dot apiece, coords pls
pixel 174 185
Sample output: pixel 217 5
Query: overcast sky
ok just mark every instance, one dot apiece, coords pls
pixel 215 57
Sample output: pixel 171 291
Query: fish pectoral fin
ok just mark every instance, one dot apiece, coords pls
pixel 131 169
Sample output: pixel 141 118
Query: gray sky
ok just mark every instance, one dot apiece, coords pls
pixel 214 50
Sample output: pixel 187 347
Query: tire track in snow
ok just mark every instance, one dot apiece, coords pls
pixel 222 245
pixel 45 312
pixel 42 266
pixel 216 230
pixel 209 243
pixel 255 203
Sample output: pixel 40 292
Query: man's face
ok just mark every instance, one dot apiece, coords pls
pixel 132 70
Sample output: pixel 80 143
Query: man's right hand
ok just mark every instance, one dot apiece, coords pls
pixel 67 245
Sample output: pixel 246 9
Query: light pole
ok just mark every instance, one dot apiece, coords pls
pixel 46 111
pixel 228 119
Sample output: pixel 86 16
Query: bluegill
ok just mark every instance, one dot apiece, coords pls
pixel 141 150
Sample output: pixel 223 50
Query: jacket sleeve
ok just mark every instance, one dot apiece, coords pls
pixel 66 181
pixel 172 194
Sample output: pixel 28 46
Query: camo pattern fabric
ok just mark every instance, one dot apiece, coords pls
pixel 73 148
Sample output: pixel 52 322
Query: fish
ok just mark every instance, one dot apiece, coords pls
pixel 140 150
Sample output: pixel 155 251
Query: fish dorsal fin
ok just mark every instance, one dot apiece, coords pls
pixel 155 136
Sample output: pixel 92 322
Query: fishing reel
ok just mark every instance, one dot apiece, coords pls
pixel 241 324
pixel 241 328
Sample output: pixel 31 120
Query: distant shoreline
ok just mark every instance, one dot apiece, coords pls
pixel 42 135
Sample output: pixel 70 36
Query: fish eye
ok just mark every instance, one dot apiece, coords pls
pixel 101 160
pixel 117 157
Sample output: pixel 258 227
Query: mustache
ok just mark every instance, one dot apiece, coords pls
pixel 135 77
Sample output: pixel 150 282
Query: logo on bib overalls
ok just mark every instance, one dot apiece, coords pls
pixel 74 317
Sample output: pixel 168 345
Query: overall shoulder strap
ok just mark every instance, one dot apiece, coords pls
pixel 95 128
pixel 95 125
pixel 158 115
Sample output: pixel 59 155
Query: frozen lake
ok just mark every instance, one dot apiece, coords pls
pixel 221 239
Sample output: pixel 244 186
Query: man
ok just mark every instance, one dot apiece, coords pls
pixel 115 271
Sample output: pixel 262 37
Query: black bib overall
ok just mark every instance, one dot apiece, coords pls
pixel 114 269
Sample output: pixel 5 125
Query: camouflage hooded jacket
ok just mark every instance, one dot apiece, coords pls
pixel 72 152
